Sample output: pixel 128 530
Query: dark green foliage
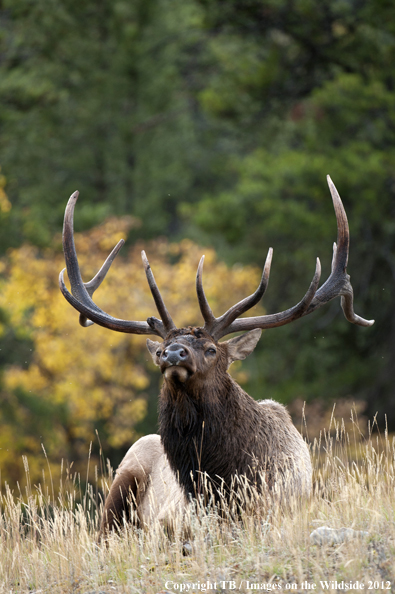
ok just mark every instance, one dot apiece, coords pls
pixel 91 98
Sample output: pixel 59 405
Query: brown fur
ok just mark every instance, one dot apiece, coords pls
pixel 212 435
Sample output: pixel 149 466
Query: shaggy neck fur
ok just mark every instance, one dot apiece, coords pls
pixel 202 425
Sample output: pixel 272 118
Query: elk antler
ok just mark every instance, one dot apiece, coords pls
pixel 81 293
pixel 337 284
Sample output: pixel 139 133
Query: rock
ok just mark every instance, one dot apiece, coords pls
pixel 334 536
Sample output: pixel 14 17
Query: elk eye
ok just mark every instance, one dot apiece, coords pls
pixel 211 350
pixel 158 353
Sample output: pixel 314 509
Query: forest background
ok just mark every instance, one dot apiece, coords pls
pixel 188 126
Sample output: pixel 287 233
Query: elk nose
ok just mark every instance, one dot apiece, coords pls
pixel 174 354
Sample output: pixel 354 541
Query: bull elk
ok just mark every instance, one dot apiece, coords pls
pixel 213 435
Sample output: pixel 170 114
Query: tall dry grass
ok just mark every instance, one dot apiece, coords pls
pixel 48 541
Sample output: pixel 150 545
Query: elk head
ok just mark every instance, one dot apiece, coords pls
pixel 192 353
pixel 174 356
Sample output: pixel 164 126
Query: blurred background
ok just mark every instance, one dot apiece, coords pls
pixel 189 127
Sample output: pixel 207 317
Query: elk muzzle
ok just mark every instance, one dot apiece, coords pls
pixel 176 362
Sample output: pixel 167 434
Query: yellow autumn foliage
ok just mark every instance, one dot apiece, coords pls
pixel 79 381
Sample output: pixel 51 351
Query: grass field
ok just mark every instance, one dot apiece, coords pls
pixel 48 542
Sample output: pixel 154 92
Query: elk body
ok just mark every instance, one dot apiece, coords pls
pixel 216 442
pixel 145 481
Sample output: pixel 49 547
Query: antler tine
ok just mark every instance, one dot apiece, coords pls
pixel 341 248
pixel 217 327
pixel 73 271
pixel 99 277
pixel 81 293
pixel 337 285
pixel 205 308
pixel 277 319
pixel 160 305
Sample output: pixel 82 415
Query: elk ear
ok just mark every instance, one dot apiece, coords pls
pixel 241 346
pixel 153 346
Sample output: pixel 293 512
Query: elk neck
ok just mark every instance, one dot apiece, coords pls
pixel 202 426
